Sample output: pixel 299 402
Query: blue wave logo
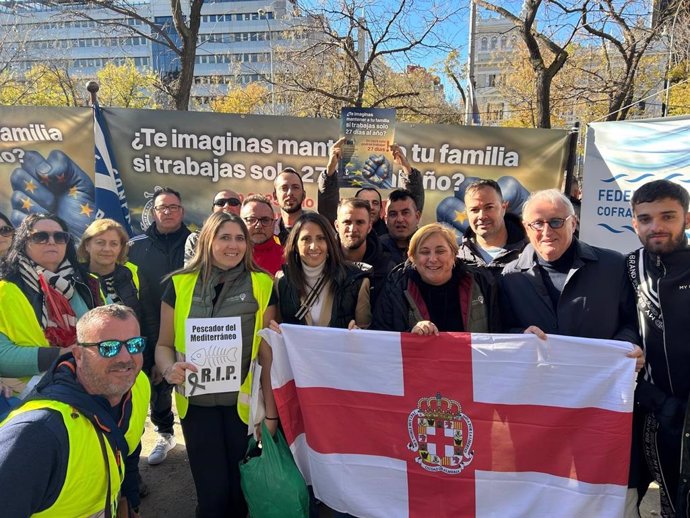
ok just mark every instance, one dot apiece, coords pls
pixel 649 147
pixel 624 178
pixel 624 228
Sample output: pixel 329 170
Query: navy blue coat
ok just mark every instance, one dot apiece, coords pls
pixel 597 300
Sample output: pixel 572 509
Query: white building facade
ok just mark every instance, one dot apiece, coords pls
pixel 236 39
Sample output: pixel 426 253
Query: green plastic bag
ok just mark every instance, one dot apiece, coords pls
pixel 272 485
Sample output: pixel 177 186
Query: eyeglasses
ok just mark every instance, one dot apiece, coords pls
pixel 233 202
pixel 170 208
pixel 554 223
pixel 265 221
pixel 111 348
pixel 42 237
pixel 6 231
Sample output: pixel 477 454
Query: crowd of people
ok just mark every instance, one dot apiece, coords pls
pixel 90 337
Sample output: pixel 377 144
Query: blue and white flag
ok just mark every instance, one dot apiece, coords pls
pixel 110 193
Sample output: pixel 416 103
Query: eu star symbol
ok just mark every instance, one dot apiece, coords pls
pixel 26 204
pixel 30 186
pixel 460 216
pixel 86 210
pixel 73 192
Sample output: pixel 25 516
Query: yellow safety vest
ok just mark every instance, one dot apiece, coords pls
pixel 19 323
pixel 85 487
pixel 184 283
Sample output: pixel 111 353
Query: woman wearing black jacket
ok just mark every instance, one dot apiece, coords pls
pixel 103 252
pixel 316 286
pixel 433 291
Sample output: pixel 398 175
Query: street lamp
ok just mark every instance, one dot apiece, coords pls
pixel 262 13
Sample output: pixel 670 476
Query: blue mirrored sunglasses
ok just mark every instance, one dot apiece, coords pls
pixel 110 348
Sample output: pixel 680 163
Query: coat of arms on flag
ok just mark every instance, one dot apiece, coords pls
pixel 490 425
pixel 442 435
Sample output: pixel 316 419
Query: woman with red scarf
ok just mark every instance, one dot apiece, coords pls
pixel 42 294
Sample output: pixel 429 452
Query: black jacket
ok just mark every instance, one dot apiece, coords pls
pixel 380 262
pixel 517 239
pixel 156 255
pixel 397 255
pixel 346 291
pixel 400 304
pixel 662 284
pixel 126 289
pixel 597 300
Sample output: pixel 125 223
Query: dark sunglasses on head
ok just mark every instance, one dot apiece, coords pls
pixel 41 237
pixel 554 223
pixel 233 202
pixel 6 231
pixel 111 348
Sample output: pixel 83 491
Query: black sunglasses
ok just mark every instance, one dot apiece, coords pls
pixel 41 237
pixel 111 348
pixel 6 231
pixel 233 202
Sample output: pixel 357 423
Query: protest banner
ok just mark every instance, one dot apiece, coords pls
pixel 388 424
pixel 47 164
pixel 199 154
pixel 619 158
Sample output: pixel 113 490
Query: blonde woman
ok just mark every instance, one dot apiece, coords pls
pixel 221 280
pixel 434 291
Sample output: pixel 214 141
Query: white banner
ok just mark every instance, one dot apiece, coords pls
pixel 619 158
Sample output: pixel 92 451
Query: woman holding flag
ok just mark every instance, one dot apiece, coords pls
pixel 433 291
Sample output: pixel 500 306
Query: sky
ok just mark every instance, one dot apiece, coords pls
pixel 451 32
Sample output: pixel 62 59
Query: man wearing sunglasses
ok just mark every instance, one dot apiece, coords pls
pixel 561 285
pixel 86 413
pixel 157 253
pixel 224 201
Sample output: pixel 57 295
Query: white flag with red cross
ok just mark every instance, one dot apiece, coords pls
pixel 394 425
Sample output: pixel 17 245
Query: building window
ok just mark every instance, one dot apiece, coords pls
pixel 491 80
pixel 493 43
pixel 484 44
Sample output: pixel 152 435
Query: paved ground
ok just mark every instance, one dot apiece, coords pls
pixel 172 490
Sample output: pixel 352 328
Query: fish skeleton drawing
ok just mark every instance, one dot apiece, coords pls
pixel 214 356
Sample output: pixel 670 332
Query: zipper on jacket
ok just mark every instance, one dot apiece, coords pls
pixel 661 315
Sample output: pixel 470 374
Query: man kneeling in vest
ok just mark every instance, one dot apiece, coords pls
pixel 65 451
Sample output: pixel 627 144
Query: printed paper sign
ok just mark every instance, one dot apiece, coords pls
pixel 366 159
pixel 214 345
